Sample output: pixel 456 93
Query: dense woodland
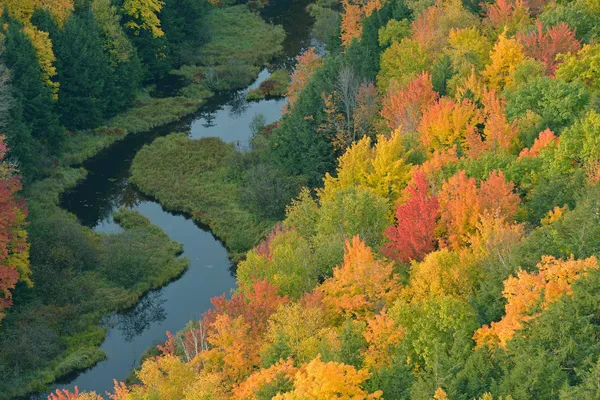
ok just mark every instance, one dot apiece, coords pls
pixel 422 223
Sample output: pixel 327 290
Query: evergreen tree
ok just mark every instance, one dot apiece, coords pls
pixel 83 70
pixel 12 126
pixel 35 98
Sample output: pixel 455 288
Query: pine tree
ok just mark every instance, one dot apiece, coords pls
pixel 83 69
pixel 35 97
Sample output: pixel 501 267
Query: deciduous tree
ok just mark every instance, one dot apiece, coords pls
pixel 413 236
pixel 361 283
pixel 320 380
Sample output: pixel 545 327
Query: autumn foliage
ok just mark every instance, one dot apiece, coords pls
pixel 545 44
pixel 14 249
pixel 414 234
pixel 360 283
pixel 403 108
pixel 527 294
pixel 308 63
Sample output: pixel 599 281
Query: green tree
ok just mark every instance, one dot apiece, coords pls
pixel 83 70
pixel 29 90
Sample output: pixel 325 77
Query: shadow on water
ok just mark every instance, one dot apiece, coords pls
pixel 226 115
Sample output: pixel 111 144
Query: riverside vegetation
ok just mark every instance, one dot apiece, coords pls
pixel 76 76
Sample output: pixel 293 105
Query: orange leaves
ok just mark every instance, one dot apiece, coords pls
pixel 403 108
pixel 351 22
pixel 528 294
pixel 320 380
pixel 361 284
pixel 234 351
pixel 413 236
pixel 546 138
pixel 382 336
pixel 446 123
pixel 248 389
pixel 507 13
pixel 255 304
pixel 308 63
pixel 354 12
pixel 498 132
pixel 462 203
pixel 545 46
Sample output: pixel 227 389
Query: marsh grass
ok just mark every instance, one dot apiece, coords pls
pixel 194 176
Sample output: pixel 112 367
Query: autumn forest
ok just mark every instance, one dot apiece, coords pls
pixel 408 204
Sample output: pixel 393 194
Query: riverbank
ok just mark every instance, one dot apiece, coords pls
pixel 200 178
pixel 81 275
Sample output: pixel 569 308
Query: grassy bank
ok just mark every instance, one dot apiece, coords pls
pixel 197 177
pixel 147 113
pixel 79 276
pixel 241 44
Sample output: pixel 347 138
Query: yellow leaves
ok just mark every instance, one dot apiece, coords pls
pixel 23 9
pixel 440 394
pixel 145 15
pixel 554 215
pixel 45 54
pixel 382 169
pixel 361 284
pixel 382 336
pixel 442 273
pixel 468 49
pixel 507 54
pixel 529 293
pixel 164 377
pixel 206 386
pixel 447 122
pixel 298 327
pixel 328 381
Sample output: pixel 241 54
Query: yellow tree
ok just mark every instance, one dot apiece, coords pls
pixel 328 381
pixel 528 293
pixel 447 123
pixel 144 14
pixel 302 329
pixel 361 284
pixel 164 377
pixel 45 54
pixel 381 169
pixel 507 54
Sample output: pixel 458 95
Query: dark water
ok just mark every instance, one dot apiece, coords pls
pixel 226 115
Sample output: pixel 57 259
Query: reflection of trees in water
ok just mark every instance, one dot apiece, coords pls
pixel 238 104
pixel 137 319
pixel 131 198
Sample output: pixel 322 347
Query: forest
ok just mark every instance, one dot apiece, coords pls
pixel 422 221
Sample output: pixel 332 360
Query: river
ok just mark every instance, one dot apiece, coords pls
pixel 106 189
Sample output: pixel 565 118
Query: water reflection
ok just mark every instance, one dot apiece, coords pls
pixel 136 320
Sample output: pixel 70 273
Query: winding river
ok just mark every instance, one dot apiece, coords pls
pixel 226 115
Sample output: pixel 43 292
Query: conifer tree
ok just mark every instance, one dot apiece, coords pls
pixel 83 69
